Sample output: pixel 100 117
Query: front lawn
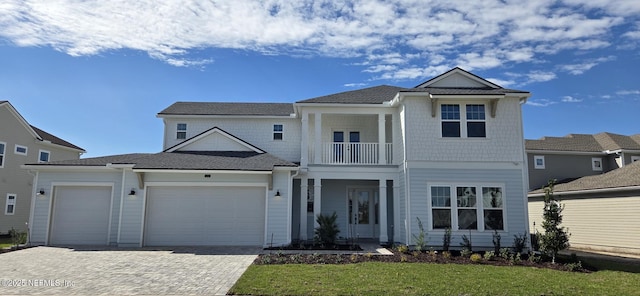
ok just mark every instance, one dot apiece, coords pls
pixel 381 278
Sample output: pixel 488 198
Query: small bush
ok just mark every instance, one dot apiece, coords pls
pixel 475 258
pixel 576 266
pixel 446 239
pixel 403 258
pixel 515 258
pixel 416 253
pixel 354 258
pixel 421 239
pixel 327 230
pixel 533 258
pixel 489 255
pixel 496 241
pixel 446 254
pixel 504 253
pixel 18 237
pixel 465 253
pixel 402 248
pixel 266 259
pixel 466 243
pixel 433 252
pixel 519 242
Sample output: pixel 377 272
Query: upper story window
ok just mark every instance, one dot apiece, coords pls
pixel 277 132
pixel 181 131
pixel 469 122
pixel 22 150
pixel 538 162
pixel 596 163
pixel 2 152
pixel 10 207
pixel 44 156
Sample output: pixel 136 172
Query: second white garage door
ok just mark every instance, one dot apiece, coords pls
pixel 204 216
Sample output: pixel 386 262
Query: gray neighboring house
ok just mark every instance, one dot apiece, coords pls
pixel 577 155
pixel 22 143
pixel 601 211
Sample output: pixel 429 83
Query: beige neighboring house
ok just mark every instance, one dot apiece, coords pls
pixel 601 211
pixel 22 143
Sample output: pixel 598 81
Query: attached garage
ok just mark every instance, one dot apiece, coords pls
pixel 80 215
pixel 204 216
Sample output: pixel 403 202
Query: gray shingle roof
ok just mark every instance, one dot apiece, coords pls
pixel 465 90
pixel 371 95
pixel 626 176
pixel 585 143
pixel 185 160
pixel 53 139
pixel 221 108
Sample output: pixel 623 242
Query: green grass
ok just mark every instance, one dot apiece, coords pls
pixel 5 242
pixel 376 278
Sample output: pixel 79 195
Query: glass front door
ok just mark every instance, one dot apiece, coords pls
pixel 363 212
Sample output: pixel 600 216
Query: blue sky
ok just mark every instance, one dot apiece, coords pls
pixel 97 72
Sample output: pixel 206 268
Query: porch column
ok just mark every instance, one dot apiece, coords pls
pixel 384 238
pixel 318 138
pixel 304 146
pixel 317 200
pixel 304 194
pixel 382 147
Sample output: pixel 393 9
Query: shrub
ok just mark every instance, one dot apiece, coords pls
pixel 420 239
pixel 555 237
pixel 433 252
pixel 489 255
pixel 496 241
pixel 18 237
pixel 475 258
pixel 416 253
pixel 515 258
pixel 575 266
pixel 446 239
pixel 519 242
pixel 402 248
pixel 354 258
pixel 466 243
pixel 446 254
pixel 504 253
pixel 403 258
pixel 327 230
pixel 533 258
pixel 465 253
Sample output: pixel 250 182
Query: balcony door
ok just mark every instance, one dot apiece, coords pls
pixel 346 152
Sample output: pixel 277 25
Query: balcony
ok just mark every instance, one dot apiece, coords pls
pixel 340 153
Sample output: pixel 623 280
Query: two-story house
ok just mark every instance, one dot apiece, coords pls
pixel 22 143
pixel 449 152
pixel 577 155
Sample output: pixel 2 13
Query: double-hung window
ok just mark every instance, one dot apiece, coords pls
pixel 467 122
pixel 10 206
pixel 277 132
pixel 181 131
pixel 3 145
pixel 467 207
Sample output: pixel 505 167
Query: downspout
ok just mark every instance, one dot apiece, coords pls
pixel 121 204
pixel 525 178
pixel 33 203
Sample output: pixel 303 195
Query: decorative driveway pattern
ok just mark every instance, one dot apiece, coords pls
pixel 123 271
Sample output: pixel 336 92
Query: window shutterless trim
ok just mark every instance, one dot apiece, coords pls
pixel 3 153
pixel 25 148
pixel 10 202
pixel 43 152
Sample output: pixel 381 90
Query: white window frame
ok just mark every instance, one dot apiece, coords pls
pixel 10 202
pixel 43 152
pixel 281 132
pixel 535 162
pixel 3 154
pixel 180 131
pixel 462 107
pixel 594 163
pixel 26 150
pixel 635 158
pixel 480 217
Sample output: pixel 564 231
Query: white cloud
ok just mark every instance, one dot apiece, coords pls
pixel 570 99
pixel 355 85
pixel 539 76
pixel 628 92
pixel 408 34
pixel 577 69
pixel 540 103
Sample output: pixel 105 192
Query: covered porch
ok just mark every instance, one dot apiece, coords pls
pixel 364 207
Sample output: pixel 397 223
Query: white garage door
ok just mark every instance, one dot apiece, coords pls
pixel 197 216
pixel 80 216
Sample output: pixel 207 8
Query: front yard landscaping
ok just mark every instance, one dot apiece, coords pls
pixel 384 278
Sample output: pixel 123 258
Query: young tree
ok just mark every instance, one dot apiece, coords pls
pixel 555 237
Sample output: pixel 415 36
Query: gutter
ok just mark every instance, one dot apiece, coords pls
pixel 587 191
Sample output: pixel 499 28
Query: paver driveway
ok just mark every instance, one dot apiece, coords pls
pixel 117 271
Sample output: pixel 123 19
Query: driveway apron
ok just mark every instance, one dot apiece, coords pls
pixel 119 271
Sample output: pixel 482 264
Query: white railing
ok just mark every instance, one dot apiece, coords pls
pixel 351 153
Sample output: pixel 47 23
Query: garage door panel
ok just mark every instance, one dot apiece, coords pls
pixel 80 216
pixel 204 216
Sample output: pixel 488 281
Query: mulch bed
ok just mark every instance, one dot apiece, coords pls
pixel 414 257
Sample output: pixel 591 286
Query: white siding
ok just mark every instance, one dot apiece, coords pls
pixel 256 131
pixel 424 141
pixel 279 211
pixel 514 203
pixel 457 80
pixel 215 142
pixel 598 222
pixel 131 216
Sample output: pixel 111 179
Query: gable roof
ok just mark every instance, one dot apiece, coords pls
pixel 601 142
pixel 37 133
pixel 386 93
pixel 223 108
pixel 626 177
pixel 210 131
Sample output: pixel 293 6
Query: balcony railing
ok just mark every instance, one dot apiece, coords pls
pixel 352 153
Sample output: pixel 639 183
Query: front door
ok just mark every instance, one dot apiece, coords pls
pixel 363 212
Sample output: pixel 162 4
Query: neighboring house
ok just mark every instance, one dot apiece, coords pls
pixel 449 151
pixel 601 211
pixel 22 143
pixel 574 156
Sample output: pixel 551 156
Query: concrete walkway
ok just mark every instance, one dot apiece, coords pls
pixel 119 271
